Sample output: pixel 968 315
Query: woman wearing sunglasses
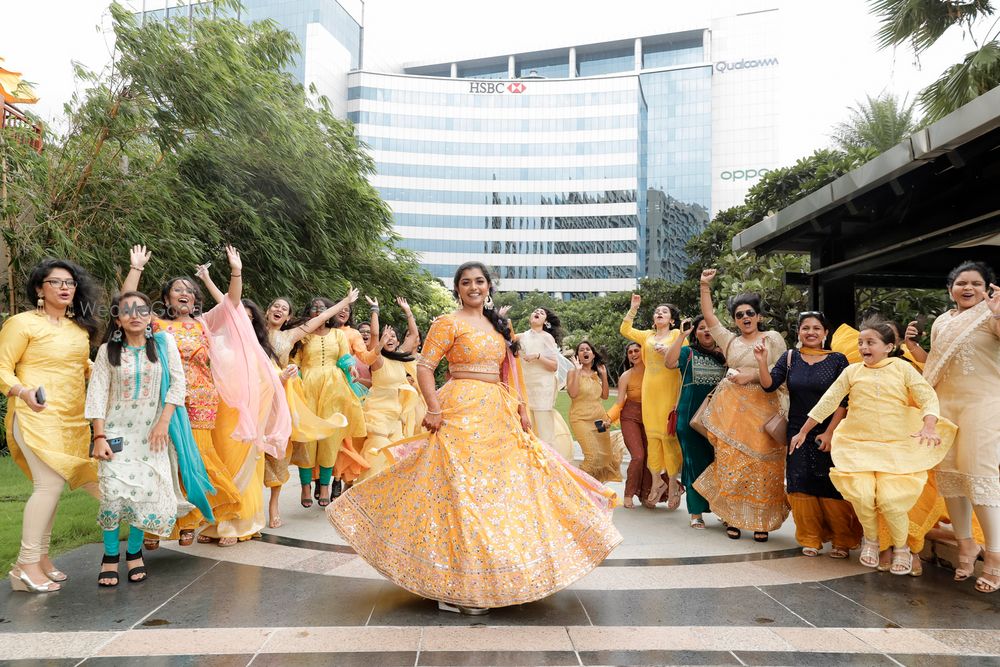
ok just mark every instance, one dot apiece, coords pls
pixel 745 486
pixel 43 365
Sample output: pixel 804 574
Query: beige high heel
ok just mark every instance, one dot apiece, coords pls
pixel 57 576
pixel 21 582
pixel 967 566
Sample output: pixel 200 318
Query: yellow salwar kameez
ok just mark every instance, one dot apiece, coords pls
pixel 390 397
pixel 327 393
pixel 745 484
pixel 878 467
pixel 35 352
pixel 481 513
pixel 660 391
pixel 601 460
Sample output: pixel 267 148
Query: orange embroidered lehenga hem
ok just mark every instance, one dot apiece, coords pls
pixel 745 485
pixel 480 514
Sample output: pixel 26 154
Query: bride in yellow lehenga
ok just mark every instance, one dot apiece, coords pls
pixel 478 513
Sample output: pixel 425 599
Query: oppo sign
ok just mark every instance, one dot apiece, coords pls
pixel 734 65
pixel 743 174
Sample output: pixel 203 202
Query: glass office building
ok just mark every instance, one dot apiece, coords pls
pixel 537 178
pixel 549 166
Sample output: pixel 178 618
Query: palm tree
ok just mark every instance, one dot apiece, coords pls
pixel 876 125
pixel 921 23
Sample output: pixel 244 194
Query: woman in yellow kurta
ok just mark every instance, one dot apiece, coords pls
pixel 660 389
pixel 587 386
pixel 745 485
pixel 324 359
pixel 479 513
pixel 884 447
pixel 390 397
pixel 282 341
pixel 48 348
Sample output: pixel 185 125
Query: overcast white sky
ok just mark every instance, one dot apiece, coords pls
pixel 829 57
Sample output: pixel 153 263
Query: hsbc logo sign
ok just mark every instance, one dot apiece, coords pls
pixel 496 87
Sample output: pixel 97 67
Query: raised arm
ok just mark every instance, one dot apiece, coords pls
pixel 202 274
pixel 373 322
pixel 311 325
pixel 235 292
pixel 602 372
pixel 626 329
pixel 138 258
pixel 412 338
pixel 573 379
pixel 705 292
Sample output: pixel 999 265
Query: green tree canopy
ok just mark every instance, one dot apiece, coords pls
pixel 195 137
pixel 921 23
pixel 875 125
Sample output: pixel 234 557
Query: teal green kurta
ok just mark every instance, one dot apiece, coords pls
pixel 699 375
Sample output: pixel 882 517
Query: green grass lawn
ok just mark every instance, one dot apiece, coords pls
pixel 76 520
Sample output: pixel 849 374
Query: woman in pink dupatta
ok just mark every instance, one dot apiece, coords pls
pixel 222 364
pixel 964 368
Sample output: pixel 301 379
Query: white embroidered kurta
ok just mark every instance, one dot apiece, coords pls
pixel 137 483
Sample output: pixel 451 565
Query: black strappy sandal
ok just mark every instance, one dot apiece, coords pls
pixel 760 536
pixel 306 502
pixel 133 571
pixel 108 578
pixel 732 532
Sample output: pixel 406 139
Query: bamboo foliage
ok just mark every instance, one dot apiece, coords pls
pixel 196 137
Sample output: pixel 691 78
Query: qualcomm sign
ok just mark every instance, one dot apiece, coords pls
pixel 732 65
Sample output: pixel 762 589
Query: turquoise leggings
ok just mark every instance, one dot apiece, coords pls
pixel 306 476
pixel 112 544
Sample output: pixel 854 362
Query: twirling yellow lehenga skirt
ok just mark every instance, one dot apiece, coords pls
pixel 480 514
pixel 745 485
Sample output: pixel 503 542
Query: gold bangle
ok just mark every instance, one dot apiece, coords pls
pixel 432 412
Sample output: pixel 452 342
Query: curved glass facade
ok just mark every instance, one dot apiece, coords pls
pixel 511 173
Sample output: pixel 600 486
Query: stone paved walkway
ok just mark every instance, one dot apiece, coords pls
pixel 668 595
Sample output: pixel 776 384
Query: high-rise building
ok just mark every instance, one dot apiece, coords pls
pixel 576 169
pixel 573 169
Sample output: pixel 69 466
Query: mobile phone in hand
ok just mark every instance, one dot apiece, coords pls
pixel 40 395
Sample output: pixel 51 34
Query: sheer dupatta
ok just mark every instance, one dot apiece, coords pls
pixel 197 486
pixel 245 379
pixel 948 339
